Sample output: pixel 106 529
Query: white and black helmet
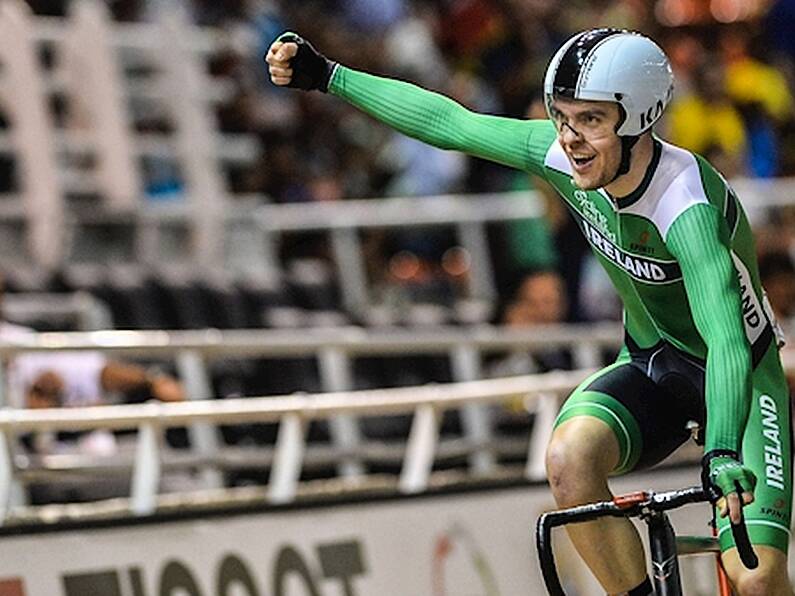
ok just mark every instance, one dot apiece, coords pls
pixel 613 65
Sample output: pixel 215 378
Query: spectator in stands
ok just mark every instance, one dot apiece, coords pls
pixel 778 278
pixel 85 378
pixel 540 299
pixel 705 121
pixel 777 272
pixel 762 93
pixel 65 379
pixel 77 378
pixel 71 379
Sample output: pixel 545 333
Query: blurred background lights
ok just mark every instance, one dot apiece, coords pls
pixel 680 13
pixel 404 265
pixel 456 261
pixel 729 11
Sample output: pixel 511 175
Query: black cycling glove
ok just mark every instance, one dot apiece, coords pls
pixel 311 69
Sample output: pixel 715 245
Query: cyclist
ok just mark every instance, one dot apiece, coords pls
pixel 700 343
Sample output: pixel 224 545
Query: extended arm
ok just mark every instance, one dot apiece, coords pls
pixel 416 112
pixel 441 122
pixel 123 376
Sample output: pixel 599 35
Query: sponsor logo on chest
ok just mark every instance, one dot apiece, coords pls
pixel 638 267
pixel 641 246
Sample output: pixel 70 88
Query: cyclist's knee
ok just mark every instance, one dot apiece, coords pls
pixel 769 579
pixel 762 583
pixel 580 456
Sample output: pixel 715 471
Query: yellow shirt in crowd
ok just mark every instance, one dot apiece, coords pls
pixel 697 126
pixel 749 80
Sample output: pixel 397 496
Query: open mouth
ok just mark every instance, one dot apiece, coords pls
pixel 583 161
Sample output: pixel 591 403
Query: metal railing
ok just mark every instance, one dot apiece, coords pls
pixel 540 394
pixel 91 56
pixel 335 349
pixel 289 456
pixel 79 310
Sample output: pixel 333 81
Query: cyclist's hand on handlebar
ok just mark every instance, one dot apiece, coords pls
pixel 726 479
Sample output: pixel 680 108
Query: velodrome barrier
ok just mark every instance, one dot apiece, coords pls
pixel 540 393
pixel 334 349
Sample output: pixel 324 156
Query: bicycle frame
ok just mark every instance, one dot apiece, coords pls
pixel 699 545
pixel 651 508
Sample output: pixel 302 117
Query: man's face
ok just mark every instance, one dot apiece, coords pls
pixel 46 391
pixel 586 131
pixel 540 299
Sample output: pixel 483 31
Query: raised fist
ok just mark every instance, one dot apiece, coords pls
pixel 294 62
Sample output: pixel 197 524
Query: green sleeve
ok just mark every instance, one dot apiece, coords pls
pixel 698 239
pixel 441 122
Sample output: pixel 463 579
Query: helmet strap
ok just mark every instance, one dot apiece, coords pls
pixel 627 143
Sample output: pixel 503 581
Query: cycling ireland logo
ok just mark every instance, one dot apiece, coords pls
pixel 591 212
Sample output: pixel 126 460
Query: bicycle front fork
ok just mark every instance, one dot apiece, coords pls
pixel 665 565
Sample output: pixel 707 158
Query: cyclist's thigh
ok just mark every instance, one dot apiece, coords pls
pixel 643 416
pixel 767 451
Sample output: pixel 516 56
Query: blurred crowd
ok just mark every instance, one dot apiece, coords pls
pixel 733 104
